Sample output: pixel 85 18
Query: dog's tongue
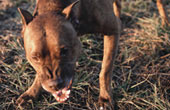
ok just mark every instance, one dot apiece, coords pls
pixel 62 95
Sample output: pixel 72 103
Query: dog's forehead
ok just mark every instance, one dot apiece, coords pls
pixel 54 32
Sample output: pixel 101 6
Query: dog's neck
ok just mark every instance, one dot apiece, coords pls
pixel 51 5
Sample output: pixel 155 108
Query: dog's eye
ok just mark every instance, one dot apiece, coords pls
pixel 63 52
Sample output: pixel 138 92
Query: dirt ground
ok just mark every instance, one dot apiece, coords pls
pixel 141 78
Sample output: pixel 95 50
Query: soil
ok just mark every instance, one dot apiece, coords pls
pixel 10 29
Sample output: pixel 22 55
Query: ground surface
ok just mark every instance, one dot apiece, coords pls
pixel 141 78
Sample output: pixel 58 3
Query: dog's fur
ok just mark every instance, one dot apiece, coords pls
pixel 52 45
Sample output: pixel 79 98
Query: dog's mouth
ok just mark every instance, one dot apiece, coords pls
pixel 63 94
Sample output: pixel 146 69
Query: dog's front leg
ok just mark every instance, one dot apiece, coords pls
pixel 110 48
pixel 31 93
pixel 163 13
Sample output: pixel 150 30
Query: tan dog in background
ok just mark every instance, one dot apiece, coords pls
pixel 160 6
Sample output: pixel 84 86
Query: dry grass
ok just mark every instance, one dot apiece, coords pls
pixel 141 78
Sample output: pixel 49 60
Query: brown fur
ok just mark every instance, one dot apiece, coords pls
pixel 49 32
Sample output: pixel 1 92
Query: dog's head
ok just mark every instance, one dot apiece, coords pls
pixel 52 47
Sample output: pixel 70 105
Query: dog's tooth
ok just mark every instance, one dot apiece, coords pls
pixel 62 100
pixel 101 108
pixel 58 98
pixel 68 96
pixel 54 95
pixel 64 91
pixel 68 92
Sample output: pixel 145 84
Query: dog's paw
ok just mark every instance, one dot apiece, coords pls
pixel 106 103
pixel 23 99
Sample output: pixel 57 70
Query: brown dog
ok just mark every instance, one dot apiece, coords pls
pixel 52 45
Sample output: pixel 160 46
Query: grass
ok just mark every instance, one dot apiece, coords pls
pixel 141 76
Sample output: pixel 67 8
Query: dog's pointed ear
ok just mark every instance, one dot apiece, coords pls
pixel 26 16
pixel 68 10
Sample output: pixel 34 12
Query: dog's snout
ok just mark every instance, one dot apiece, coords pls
pixel 50 74
pixel 53 74
pixel 56 84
